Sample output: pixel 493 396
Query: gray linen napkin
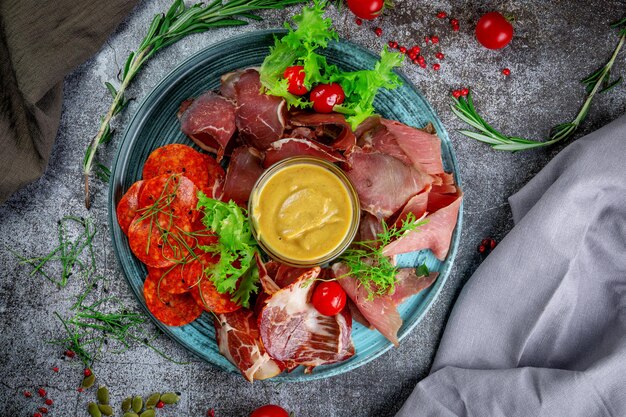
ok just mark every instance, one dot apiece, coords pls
pixel 540 328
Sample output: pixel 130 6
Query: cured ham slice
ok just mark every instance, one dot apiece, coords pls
pixel 227 87
pixel 357 315
pixel 238 340
pixel 210 122
pixel 448 186
pixel 286 148
pixel 369 228
pixel 380 312
pixel 437 233
pixel 408 144
pixel 331 129
pixel 259 117
pixel 384 183
pixel 244 169
pixel 409 284
pixel 293 331
pixel 418 204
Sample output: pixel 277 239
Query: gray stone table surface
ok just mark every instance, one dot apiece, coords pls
pixel 555 45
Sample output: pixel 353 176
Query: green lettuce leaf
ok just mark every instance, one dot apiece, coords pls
pixel 236 248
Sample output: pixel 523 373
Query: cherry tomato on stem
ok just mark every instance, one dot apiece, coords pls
pixel 329 298
pixel 366 9
pixel 494 31
pixel 270 410
pixel 295 76
pixel 326 96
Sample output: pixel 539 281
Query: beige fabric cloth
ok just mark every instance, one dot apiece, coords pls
pixel 40 42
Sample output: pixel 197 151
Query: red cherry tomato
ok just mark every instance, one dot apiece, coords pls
pixel 366 9
pixel 295 76
pixel 270 410
pixel 493 31
pixel 325 96
pixel 329 298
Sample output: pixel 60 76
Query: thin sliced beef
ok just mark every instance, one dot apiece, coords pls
pixel 383 183
pixel 369 228
pixel 286 148
pixel 380 312
pixel 209 121
pixel 434 235
pixel 294 332
pixel 227 87
pixel 409 284
pixel 408 144
pixel 238 340
pixel 259 117
pixel 448 186
pixel 330 129
pixel 418 204
pixel 244 169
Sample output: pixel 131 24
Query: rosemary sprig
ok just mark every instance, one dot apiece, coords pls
pixel 366 261
pixel 168 28
pixel 597 82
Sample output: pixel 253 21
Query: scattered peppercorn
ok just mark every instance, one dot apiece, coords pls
pixel 465 92
pixel 210 412
pixel 454 22
pixel 42 392
pixel 80 389
pixel 28 394
pixel 87 372
pixel 456 93
pixel 160 404
pixel 506 72
pixel 439 55
pixel 49 401
pixel 427 39
pixel 37 415
pixel 434 39
pixel 358 21
pixel 378 31
pixel 442 15
pixel 42 410
pixel 436 67
pixel 422 64
pixel 402 49
pixel 55 369
pixel 70 353
pixel 393 44
pixel 416 49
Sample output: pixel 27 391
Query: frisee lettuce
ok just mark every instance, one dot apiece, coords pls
pixel 300 46
pixel 236 271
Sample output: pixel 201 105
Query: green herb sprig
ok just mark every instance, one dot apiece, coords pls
pixel 168 28
pixel 597 82
pixel 365 259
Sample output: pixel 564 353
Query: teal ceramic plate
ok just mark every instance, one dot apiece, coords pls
pixel 155 124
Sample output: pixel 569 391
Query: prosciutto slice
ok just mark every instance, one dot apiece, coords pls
pixel 209 121
pixel 294 332
pixel 434 235
pixel 384 183
pixel 238 340
pixel 259 117
pixel 418 204
pixel 380 312
pixel 409 284
pixel 244 169
pixel 286 148
pixel 331 129
pixel 410 145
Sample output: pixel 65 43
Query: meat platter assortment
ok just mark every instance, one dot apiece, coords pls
pixel 396 170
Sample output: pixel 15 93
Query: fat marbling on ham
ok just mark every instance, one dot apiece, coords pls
pixel 294 332
pixel 209 121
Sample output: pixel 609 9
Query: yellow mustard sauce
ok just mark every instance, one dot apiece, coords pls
pixel 303 212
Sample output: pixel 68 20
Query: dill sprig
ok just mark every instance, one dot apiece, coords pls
pixel 69 252
pixel 168 28
pixel 365 259
pixel 597 82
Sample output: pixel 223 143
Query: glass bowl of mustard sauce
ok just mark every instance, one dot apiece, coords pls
pixel 304 211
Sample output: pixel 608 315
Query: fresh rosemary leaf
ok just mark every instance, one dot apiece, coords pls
pixel 111 89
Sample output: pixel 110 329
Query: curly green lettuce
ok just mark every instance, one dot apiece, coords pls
pixel 301 46
pixel 236 271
